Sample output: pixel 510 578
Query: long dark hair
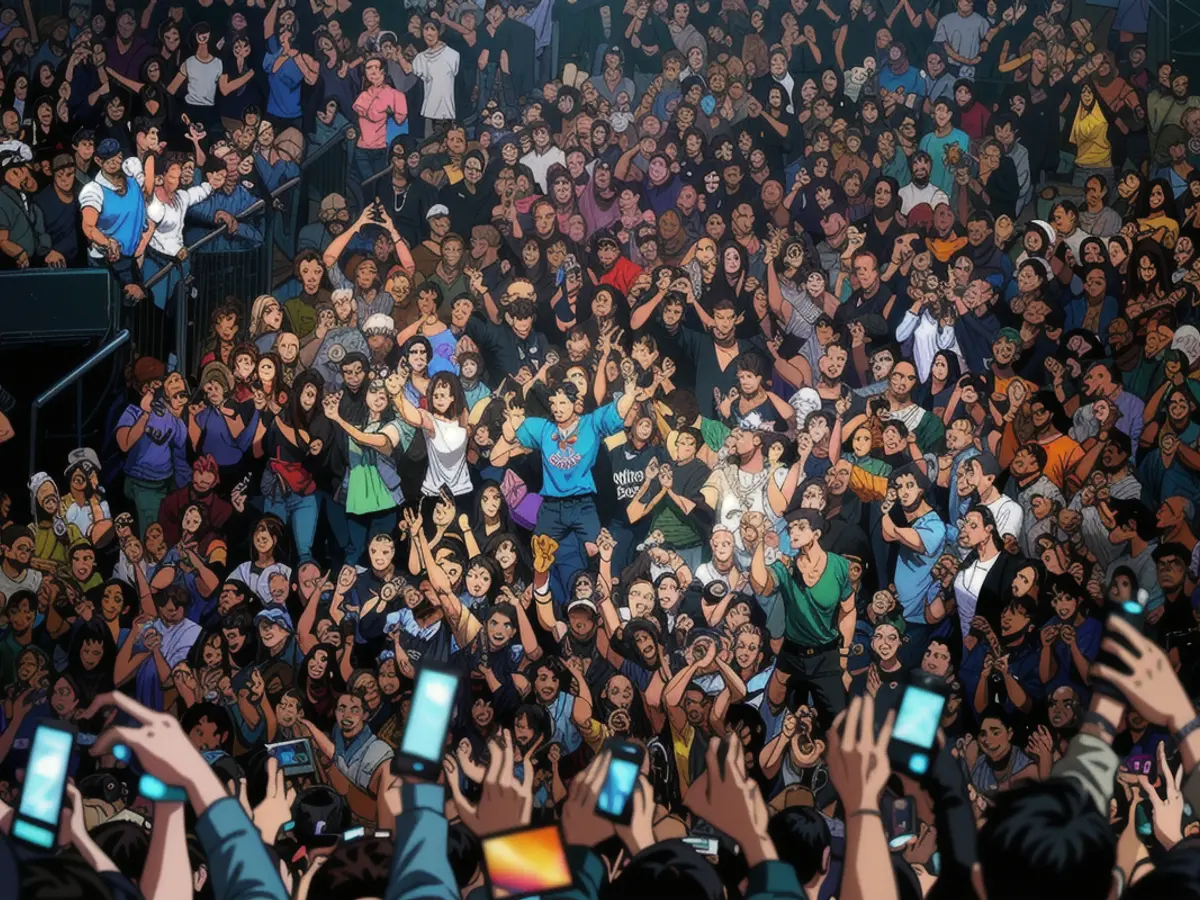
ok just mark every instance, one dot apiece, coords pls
pixel 298 417
pixel 989 521
pixel 477 521
pixel 458 400
pixel 333 675
pixel 523 571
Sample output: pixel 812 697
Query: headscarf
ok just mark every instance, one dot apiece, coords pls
pixel 58 523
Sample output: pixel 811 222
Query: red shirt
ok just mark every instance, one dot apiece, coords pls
pixel 622 275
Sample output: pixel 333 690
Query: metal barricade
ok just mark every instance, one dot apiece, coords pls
pixel 74 377
pixel 325 171
pixel 222 267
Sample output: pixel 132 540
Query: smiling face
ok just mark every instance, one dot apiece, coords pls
pixel 995 739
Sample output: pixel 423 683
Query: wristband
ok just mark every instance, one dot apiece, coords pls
pixel 1107 727
pixel 1185 732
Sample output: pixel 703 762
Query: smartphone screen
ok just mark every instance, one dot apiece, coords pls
pixel 425 733
pixel 526 863
pixel 618 787
pixel 294 757
pixel 902 826
pixel 919 717
pixel 45 782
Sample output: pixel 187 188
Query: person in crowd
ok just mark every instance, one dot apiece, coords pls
pixel 725 386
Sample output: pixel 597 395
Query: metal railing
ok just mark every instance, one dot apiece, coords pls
pixel 72 377
pixel 208 277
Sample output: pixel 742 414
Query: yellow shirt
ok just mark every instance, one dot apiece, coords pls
pixel 1089 134
pixel 681 744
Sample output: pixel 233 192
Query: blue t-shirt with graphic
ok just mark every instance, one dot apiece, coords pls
pixel 568 457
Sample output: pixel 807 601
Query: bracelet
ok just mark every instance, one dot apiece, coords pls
pixel 1183 733
pixel 1107 727
pixel 865 812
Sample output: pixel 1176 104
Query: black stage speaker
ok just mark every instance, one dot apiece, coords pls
pixel 55 306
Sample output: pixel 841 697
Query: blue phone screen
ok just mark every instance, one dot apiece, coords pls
pixel 919 717
pixel 45 778
pixel 618 786
pixel 433 700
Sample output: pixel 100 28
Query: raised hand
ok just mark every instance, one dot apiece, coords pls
pixel 857 755
pixel 506 803
pixel 275 810
pixel 1151 685
pixel 724 793
pixel 606 544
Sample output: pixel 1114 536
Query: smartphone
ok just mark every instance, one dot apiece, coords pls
pixel 36 820
pixel 1133 612
pixel 354 834
pixel 294 757
pixel 705 846
pixel 616 795
pixel 920 714
pixel 901 822
pixel 526 863
pixel 428 721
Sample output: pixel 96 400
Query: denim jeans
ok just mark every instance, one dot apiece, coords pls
pixel 164 290
pixel 364 164
pixel 301 512
pixel 628 537
pixel 573 522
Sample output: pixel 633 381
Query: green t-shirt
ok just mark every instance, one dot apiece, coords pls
pixel 810 612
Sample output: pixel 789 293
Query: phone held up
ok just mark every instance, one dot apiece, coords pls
pixel 424 739
pixel 914 734
pixel 36 820
pixel 615 802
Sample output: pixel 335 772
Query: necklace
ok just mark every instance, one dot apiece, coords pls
pixel 746 493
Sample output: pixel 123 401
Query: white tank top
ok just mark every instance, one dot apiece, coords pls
pixel 447 450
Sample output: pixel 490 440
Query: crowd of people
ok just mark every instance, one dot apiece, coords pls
pixel 696 375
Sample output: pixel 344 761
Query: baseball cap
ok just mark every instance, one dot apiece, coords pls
pixel 108 149
pixel 583 603
pixel 438 209
pixel 62 161
pixel 276 616
pixel 11 159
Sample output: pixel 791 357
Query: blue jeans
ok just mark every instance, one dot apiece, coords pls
pixel 301 512
pixel 628 537
pixel 364 164
pixel 164 290
pixel 573 522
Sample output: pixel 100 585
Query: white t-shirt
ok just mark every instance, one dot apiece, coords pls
pixel 30 581
pixel 437 68
pixel 202 78
pixel 1008 515
pixel 80 515
pixel 911 195
pixel 447 451
pixel 168 217
pixel 967 585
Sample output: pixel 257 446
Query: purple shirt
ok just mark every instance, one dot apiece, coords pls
pixel 161 451
pixel 129 63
